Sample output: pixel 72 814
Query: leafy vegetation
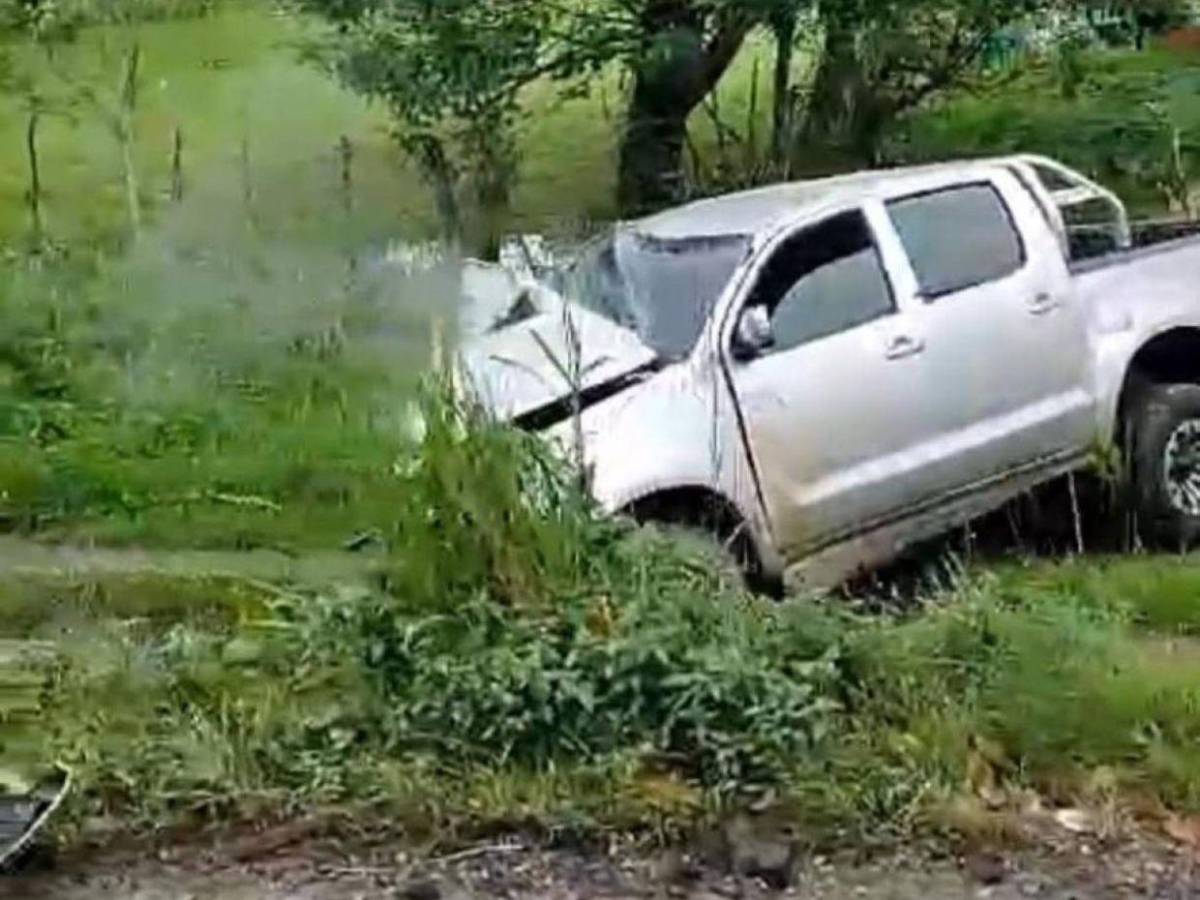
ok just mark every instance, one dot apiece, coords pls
pixel 1120 123
pixel 452 74
pixel 277 427
pixel 562 644
pixel 514 657
pixel 634 693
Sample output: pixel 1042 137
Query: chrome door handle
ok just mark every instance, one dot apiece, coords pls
pixel 1042 304
pixel 903 345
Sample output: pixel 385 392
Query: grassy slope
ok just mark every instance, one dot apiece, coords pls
pixel 222 80
pixel 615 686
pixel 236 76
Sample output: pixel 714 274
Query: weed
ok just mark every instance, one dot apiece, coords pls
pixel 1045 666
pixel 520 640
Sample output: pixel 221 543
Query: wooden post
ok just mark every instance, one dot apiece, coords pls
pixel 125 133
pixel 781 112
pixel 346 157
pixel 177 165
pixel 35 173
pixel 247 183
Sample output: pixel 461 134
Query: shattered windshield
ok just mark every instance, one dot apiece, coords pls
pixel 663 290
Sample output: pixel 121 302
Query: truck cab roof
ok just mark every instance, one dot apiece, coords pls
pixel 758 212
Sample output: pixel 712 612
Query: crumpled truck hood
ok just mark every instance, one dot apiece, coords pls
pixel 522 372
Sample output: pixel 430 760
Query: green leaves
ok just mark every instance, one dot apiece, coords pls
pixel 450 69
pixel 432 60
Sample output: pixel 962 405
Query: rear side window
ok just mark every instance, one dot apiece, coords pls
pixel 958 238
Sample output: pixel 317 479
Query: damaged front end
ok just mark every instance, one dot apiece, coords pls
pixel 533 359
pixel 544 343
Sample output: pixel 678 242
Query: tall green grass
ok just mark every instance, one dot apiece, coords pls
pixel 517 644
pixel 221 386
pixel 1074 675
pixel 516 655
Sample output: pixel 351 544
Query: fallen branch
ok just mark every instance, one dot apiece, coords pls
pixel 481 850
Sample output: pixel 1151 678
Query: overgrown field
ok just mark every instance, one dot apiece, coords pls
pixel 513 658
pixel 251 373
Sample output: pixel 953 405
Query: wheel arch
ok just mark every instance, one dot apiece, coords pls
pixel 1169 357
pixel 703 506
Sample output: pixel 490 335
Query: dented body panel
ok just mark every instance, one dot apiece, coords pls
pixel 844 434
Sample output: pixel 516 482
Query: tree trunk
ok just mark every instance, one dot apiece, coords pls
pixel 836 87
pixel 651 162
pixel 845 119
pixel 438 172
pixel 492 153
pixel 784 27
pixel 35 174
pixel 678 69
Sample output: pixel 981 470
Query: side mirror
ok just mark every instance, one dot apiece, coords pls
pixel 753 334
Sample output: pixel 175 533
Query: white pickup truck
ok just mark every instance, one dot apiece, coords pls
pixel 822 373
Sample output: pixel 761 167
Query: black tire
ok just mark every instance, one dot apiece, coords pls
pixel 1165 448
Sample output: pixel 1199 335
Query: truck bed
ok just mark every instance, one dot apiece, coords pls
pixel 1151 244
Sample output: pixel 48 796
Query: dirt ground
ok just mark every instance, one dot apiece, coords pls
pixel 1067 866
pixel 24 556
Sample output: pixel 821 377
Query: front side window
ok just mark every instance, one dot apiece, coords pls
pixel 823 281
pixel 958 238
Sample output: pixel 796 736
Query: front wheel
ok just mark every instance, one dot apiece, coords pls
pixel 1165 425
pixel 732 558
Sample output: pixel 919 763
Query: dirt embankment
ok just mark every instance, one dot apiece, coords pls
pixel 1065 864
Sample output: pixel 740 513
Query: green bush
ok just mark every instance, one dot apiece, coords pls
pixel 516 633
pixel 521 627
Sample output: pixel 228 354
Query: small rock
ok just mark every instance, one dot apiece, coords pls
pixel 419 889
pixel 762 847
pixel 1077 821
pixel 674 867
pixel 986 868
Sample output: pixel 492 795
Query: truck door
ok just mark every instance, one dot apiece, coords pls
pixel 827 374
pixel 1005 379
